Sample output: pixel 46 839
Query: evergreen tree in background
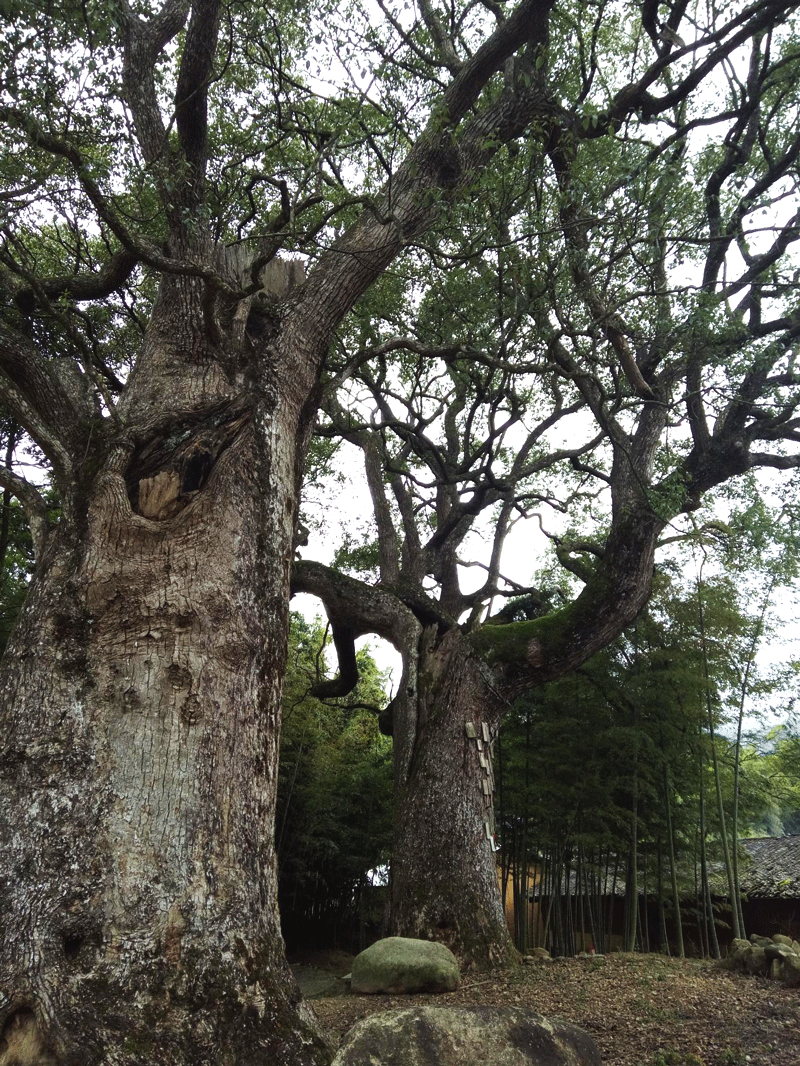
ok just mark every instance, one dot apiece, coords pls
pixel 608 779
pixel 334 811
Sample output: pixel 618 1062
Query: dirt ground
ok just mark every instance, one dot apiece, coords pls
pixel 642 1010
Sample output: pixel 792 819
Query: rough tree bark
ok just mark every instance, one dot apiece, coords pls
pixel 443 721
pixel 443 880
pixel 456 686
pixel 141 693
pixel 460 677
pixel 140 696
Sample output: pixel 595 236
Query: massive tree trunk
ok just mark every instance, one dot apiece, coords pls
pixel 454 693
pixel 140 724
pixel 443 722
pixel 444 882
pixel 139 699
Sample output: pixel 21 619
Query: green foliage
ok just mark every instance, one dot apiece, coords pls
pixel 333 824
pixel 358 558
pixel 626 735
pixel 17 567
pixel 773 766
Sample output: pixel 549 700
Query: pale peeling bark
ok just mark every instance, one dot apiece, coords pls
pixel 140 703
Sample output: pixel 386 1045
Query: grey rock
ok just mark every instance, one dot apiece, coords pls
pixel 777 957
pixel 740 949
pixel 790 970
pixel 400 964
pixel 465 1036
pixel 777 951
pixel 756 962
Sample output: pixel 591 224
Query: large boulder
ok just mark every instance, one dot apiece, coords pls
pixel 400 964
pixel 756 962
pixel 777 957
pixel 760 941
pixel 740 949
pixel 790 970
pixel 465 1036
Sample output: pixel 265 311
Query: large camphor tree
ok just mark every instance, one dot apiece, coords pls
pixel 599 338
pixel 169 365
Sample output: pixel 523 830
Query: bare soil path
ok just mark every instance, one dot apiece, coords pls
pixel 642 1010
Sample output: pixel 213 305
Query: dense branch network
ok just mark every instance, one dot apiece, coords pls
pixel 534 260
pixel 567 205
pixel 601 320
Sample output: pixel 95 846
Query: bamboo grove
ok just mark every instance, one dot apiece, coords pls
pixel 625 789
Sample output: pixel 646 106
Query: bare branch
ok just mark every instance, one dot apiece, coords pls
pixel 143 44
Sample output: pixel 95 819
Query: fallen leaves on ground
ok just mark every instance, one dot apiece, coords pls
pixel 642 1010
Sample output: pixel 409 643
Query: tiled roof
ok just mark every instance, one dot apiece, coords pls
pixel 770 871
pixel 774 868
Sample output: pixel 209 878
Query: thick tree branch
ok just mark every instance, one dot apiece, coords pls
pixel 143 43
pixel 777 462
pixel 354 609
pixel 347 679
pixel 80 287
pixel 616 589
pixel 34 395
pixel 407 207
pixel 526 25
pixel 33 504
pixel 353 604
pixel 191 94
